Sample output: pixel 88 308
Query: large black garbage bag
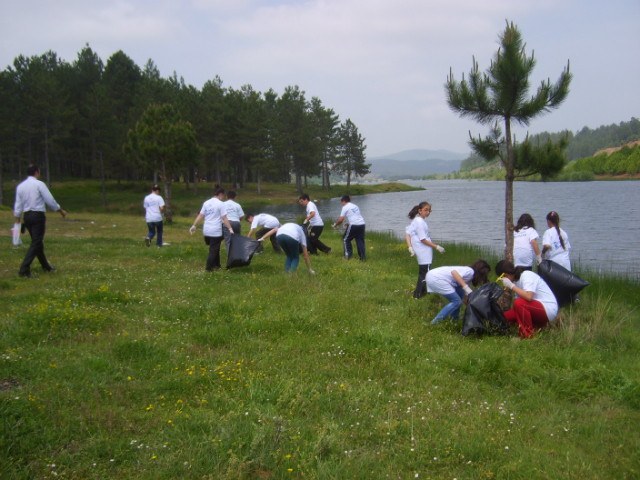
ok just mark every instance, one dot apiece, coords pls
pixel 561 281
pixel 241 250
pixel 483 313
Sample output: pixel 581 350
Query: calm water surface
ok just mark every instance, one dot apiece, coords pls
pixel 602 219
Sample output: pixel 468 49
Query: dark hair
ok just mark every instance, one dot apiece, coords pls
pixel 304 196
pixel 247 216
pixel 218 191
pixel 481 273
pixel 231 194
pixel 554 219
pixel 506 266
pixel 155 188
pixel 32 169
pixel 414 211
pixel 345 198
pixel 525 220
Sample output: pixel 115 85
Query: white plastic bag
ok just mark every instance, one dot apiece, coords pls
pixel 17 241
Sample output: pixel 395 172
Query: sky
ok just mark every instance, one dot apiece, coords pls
pixel 381 63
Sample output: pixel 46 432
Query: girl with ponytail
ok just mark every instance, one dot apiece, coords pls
pixel 535 305
pixel 420 244
pixel 556 242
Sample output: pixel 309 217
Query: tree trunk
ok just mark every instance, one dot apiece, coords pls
pixel 167 195
pixel 195 180
pixel 259 185
pixel 46 153
pixel 104 187
pixel 186 180
pixel 1 192
pixel 348 180
pixel 509 177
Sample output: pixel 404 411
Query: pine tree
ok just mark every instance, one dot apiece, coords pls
pixel 500 94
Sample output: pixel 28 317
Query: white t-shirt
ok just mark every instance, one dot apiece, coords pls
pixel 352 214
pixel 294 231
pixel 419 230
pixel 213 210
pixel 531 282
pixel 234 211
pixel 523 253
pixel 265 220
pixel 316 220
pixel 440 280
pixel 556 253
pixel 152 204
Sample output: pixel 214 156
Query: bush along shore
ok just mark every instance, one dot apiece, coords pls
pixel 133 362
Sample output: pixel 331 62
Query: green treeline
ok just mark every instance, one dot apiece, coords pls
pixel 582 165
pixel 73 120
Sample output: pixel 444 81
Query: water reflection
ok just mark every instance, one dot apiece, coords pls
pixel 601 218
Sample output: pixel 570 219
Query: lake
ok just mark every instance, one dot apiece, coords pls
pixel 601 218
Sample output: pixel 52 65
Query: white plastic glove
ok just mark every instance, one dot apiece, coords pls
pixel 312 272
pixel 192 230
pixel 467 290
pixel 261 239
pixel 412 251
pixel 507 283
pixel 440 249
pixel 335 225
pixel 539 259
pixel 305 221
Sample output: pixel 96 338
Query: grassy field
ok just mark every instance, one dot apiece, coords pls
pixel 133 362
pixel 86 196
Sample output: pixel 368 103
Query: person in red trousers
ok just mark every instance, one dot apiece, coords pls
pixel 535 305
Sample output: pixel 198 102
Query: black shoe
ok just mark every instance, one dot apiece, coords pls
pixel 147 241
pixel 27 275
pixel 328 251
pixel 50 269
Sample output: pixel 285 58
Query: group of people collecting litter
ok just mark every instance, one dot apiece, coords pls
pixel 535 304
pixel 534 307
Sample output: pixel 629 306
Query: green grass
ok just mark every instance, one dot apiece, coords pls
pixel 133 362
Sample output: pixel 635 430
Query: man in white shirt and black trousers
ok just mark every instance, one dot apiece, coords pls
pixel 355 228
pixel 31 197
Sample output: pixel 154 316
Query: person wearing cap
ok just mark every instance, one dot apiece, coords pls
pixel 153 209
pixel 31 197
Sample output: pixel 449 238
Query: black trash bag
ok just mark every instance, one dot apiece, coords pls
pixel 241 250
pixel 483 312
pixel 564 284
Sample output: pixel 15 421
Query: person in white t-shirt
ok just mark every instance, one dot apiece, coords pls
pixel 153 210
pixel 214 213
pixel 291 238
pixel 525 243
pixel 234 215
pixel 316 225
pixel 268 223
pixel 420 244
pixel 535 304
pixel 555 242
pixel 355 228
pixel 453 284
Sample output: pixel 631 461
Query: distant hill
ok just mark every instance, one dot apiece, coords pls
pixel 421 154
pixel 396 168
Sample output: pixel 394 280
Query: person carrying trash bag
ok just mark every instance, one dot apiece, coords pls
pixel 420 245
pixel 292 239
pixel 453 284
pixel 535 304
pixel 214 213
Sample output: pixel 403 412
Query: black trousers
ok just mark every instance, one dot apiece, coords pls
pixel 35 223
pixel 262 232
pixel 313 239
pixel 357 232
pixel 213 260
pixel 421 287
